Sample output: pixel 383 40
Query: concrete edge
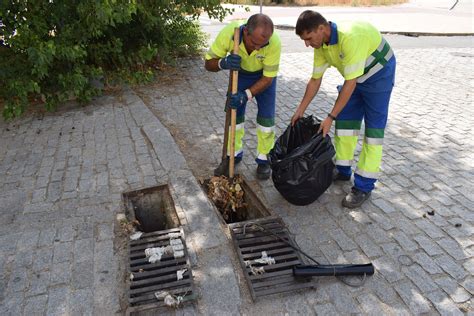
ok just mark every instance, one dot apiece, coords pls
pixel 411 34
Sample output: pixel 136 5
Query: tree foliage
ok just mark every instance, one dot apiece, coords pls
pixel 57 50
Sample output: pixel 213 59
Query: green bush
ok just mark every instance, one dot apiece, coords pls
pixel 56 50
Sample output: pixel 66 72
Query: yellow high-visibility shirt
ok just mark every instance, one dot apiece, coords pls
pixel 349 50
pixel 267 58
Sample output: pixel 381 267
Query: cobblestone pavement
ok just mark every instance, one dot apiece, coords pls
pixel 424 263
pixel 62 175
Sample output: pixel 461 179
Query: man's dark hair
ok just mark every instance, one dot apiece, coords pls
pixel 259 20
pixel 308 21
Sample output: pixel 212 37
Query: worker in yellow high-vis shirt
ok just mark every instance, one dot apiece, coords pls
pixel 257 62
pixel 367 63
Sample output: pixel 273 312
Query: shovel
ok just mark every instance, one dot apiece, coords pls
pixel 233 112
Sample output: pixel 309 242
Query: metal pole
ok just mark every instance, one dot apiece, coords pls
pixel 261 1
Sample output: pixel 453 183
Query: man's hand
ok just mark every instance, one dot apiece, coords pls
pixel 231 62
pixel 238 99
pixel 325 126
pixel 298 114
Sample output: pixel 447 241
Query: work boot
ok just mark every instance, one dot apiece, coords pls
pixel 337 176
pixel 355 198
pixel 223 168
pixel 263 171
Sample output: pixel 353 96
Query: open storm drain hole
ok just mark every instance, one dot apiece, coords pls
pixel 159 267
pixel 153 208
pixel 266 259
pixel 235 202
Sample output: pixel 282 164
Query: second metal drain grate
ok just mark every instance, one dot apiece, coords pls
pixel 149 278
pixel 272 278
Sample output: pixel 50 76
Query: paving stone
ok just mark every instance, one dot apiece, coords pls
pixel 39 282
pixel 84 250
pixel 325 309
pixel 61 273
pixel 384 205
pixel 443 305
pixel 452 248
pixel 419 277
pixel 81 302
pixel 372 305
pixel 35 305
pixel 18 279
pixel 28 240
pixel 430 229
pixel 83 275
pixel 46 237
pixel 416 302
pixel 388 269
pixel 368 246
pixel 105 231
pixel 62 252
pixel 342 240
pixel 456 292
pixel 451 267
pixel 428 245
pixel 58 299
pixel 427 263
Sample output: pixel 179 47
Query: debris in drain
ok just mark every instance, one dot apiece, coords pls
pixel 129 226
pixel 131 276
pixel 176 248
pixel 169 300
pixel 257 271
pixel 227 196
pixel 179 273
pixel 265 259
pixel 136 235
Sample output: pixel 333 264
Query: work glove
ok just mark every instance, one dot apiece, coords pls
pixel 231 62
pixel 238 99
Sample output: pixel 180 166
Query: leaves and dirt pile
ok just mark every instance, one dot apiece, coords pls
pixel 227 195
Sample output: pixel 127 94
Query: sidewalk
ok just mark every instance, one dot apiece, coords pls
pixel 414 17
pixel 63 252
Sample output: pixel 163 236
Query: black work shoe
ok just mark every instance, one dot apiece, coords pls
pixel 337 176
pixel 223 168
pixel 263 171
pixel 355 198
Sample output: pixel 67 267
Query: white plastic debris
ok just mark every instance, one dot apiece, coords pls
pixel 178 254
pixel 179 274
pixel 174 235
pixel 136 235
pixel 154 254
pixel 131 276
pixel 265 259
pixel 173 302
pixel 257 271
pixel 169 299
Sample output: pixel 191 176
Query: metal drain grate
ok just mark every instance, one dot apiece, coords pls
pixel 148 278
pixel 278 277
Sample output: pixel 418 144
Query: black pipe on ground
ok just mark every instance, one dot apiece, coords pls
pixel 333 270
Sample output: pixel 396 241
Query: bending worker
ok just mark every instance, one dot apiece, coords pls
pixel 367 63
pixel 257 62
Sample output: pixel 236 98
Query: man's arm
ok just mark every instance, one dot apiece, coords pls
pixel 212 65
pixel 260 85
pixel 341 101
pixel 312 89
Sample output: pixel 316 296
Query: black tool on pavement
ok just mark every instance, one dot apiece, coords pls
pixel 333 270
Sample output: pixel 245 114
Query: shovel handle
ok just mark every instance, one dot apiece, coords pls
pixel 233 113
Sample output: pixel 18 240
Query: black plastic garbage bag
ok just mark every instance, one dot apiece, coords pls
pixel 301 162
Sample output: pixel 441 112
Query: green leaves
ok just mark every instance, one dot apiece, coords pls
pixel 58 50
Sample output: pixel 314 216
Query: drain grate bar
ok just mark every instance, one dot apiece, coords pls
pixel 149 278
pixel 278 277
